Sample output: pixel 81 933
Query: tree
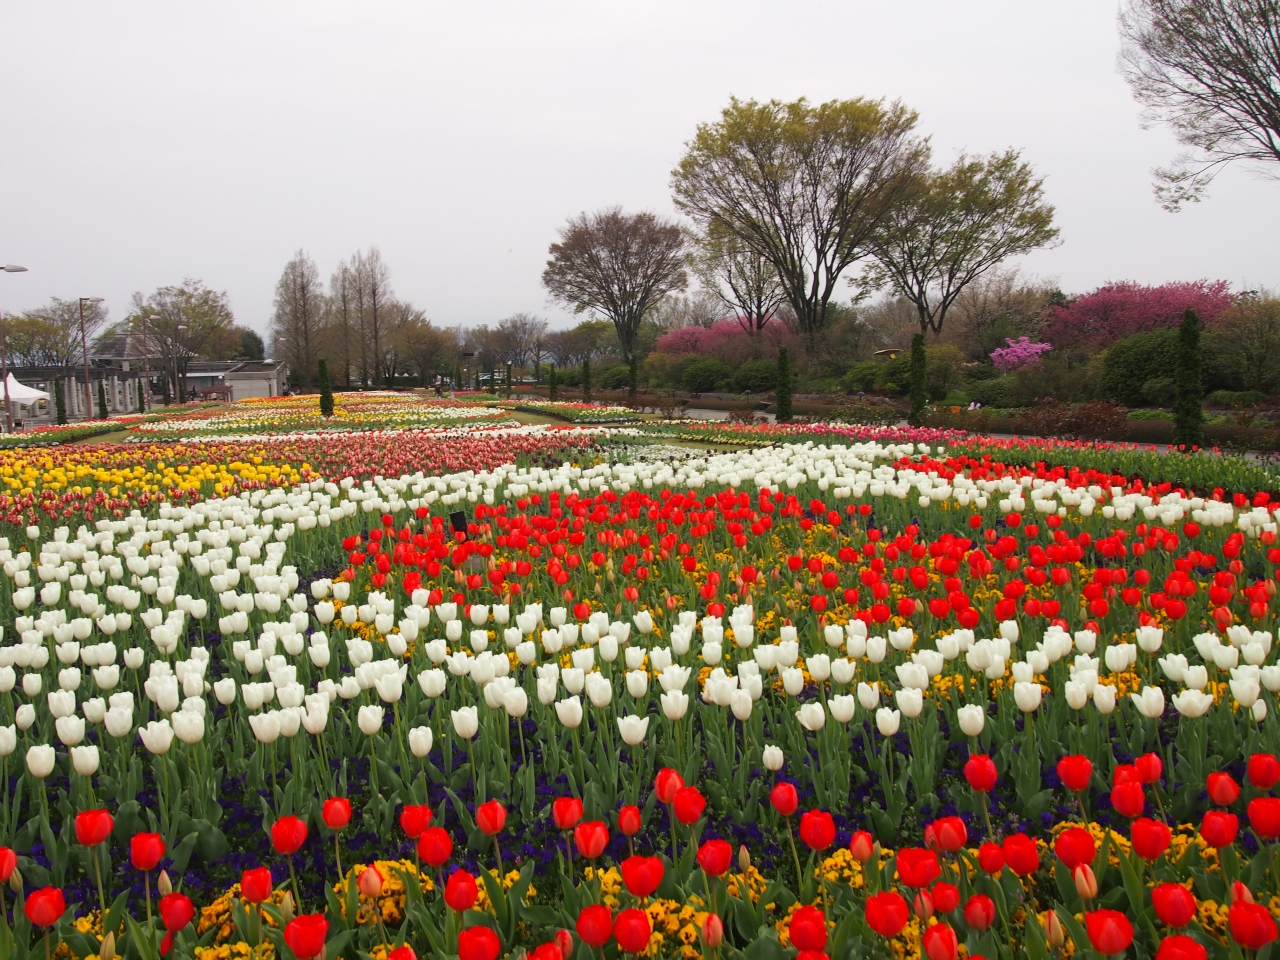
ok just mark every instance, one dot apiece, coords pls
pixel 741 278
pixel 50 335
pixel 1116 311
pixel 701 308
pixel 806 188
pixel 298 316
pixel 1187 411
pixel 919 383
pixel 1253 324
pixel 553 392
pixel 520 336
pixel 618 265
pixel 102 401
pixel 423 346
pixel 343 314
pixel 375 284
pixel 783 405
pixel 1210 69
pixel 955 225
pixel 142 400
pixel 326 389
pixel 633 379
pixel 251 345
pixel 60 402
pixel 185 320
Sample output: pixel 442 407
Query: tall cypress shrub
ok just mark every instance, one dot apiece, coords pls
pixel 918 391
pixel 326 389
pixel 1188 416
pixel 633 380
pixel 59 402
pixel 142 397
pixel 586 379
pixel 102 402
pixel 553 384
pixel 783 413
pixel 508 381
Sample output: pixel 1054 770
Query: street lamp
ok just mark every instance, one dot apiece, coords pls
pixel 177 369
pixel 84 345
pixel 4 358
pixel 146 361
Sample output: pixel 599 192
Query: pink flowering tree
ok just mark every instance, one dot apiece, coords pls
pixel 1018 354
pixel 730 340
pixel 1118 310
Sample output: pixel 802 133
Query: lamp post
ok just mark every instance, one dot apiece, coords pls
pixel 84 345
pixel 177 370
pixel 4 358
pixel 146 362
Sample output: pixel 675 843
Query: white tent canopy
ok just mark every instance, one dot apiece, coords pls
pixel 21 393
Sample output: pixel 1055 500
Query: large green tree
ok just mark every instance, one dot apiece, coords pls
pixel 805 187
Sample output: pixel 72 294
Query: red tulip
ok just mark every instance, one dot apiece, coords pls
pixel 1174 904
pixel 991 857
pixel 1021 854
pixel 591 838
pixel 1264 817
pixel 808 930
pixel 595 925
pixel 1074 847
pixel 146 850
pixel 887 913
pixel 1149 767
pixel 939 942
pixel 406 953
pixel 478 943
pixel 861 846
pixel 980 912
pixel 45 906
pixel 947 834
pixel 1128 799
pixel 1125 773
pixel 946 896
pixel 784 798
pixel 1075 772
pixel 491 817
pixel 566 812
pixel 1150 838
pixel 460 891
pixel 632 930
pixel 288 834
pixel 8 862
pixel 918 867
pixel 715 856
pixel 256 884
pixel 1109 931
pixel 689 804
pixel 1181 947
pixel 922 903
pixel 1250 925
pixel 176 911
pixel 370 882
pixel 1222 789
pixel 980 772
pixel 93 827
pixel 712 931
pixel 666 783
pixel 629 821
pixel 435 846
pixel 642 875
pixel 1219 828
pixel 336 813
pixel 564 941
pixel 1263 770
pixel 817 829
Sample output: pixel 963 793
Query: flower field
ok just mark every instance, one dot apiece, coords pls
pixel 569 693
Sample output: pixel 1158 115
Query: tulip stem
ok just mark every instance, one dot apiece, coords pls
pixel 146 882
pixel 102 900
pixel 337 855
pixel 497 852
pixel 791 838
pixel 297 899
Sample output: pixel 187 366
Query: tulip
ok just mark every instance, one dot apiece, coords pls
pixel 176 911
pixel 1128 799
pixel 40 759
pixel 415 818
pixel 146 850
pixel 861 846
pixel 288 834
pixel 591 838
pixel 435 846
pixel 8 863
pixel 1174 904
pixel 632 930
pixel 972 719
pixel 466 722
pixel 1150 838
pixel 1181 947
pixel 84 760
pixel 817 829
pixel 808 929
pixel 642 875
pixel 569 712
pixel 1263 770
pixel 420 741
pixel 712 931
pixel 784 798
pixel 980 772
pixel 918 867
pixel 948 834
pixel 633 729
pixel 595 925
pixel 491 817
pixel 1075 772
pixel 1250 925
pixel 306 934
pixel 1074 847
pixel 812 716
pixel 1021 854
pixel 939 942
pixel 773 758
pixel 980 912
pixel 256 884
pixel 566 812
pixel 887 913
pixel 688 803
pixel 629 820
pixel 93 827
pixel 1222 788
pixel 336 813
pixel 1109 931
pixel 460 891
pixel 1219 828
pixel 44 907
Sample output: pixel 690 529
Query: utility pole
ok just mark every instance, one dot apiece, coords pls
pixel 84 345
pixel 4 358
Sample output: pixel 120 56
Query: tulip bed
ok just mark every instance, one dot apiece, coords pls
pixel 579 697
pixel 574 412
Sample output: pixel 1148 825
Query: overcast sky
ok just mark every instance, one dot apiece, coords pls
pixel 145 142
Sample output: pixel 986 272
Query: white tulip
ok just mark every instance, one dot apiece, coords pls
pixel 8 740
pixel 157 735
pixel 842 670
pixel 1150 638
pixel 740 703
pixel 70 730
pixel 643 621
pixel 637 683
pixel 95 709
pixel 819 667
pixel 812 716
pixel 1027 696
pixel 573 679
pixel 869 695
pixel 188 725
pixel 842 707
pixel 118 721
pixel 569 711
pixel 888 721
pixel 516 702
pixel 1077 694
pixel 390 686
pixel 8 678
pixel 466 722
pixel 25 716
pixel 675 704
pixel 1149 701
pixel 599 690
pixel 40 759
pixel 1259 711
pixel 633 729
pixel 369 719
pixel 62 703
pixel 420 741
pixel 31 684
pixel 433 682
pixel 910 701
pixel 877 647
pixel 773 758
pixel 1245 690
pixel 972 719
pixel 1192 703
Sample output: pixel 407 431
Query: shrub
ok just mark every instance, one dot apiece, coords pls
pixel 1235 398
pixel 758 376
pixel 1129 364
pixel 918 379
pixel 326 390
pixel 864 376
pixel 881 415
pixel 991 393
pixel 703 376
pixel 615 377
pixel 1188 411
pixel 1159 390
pixel 783 407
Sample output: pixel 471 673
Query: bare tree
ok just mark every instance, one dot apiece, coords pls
pixel 702 308
pixel 299 312
pixel 618 265
pixel 955 225
pixel 50 335
pixel 343 314
pixel 806 188
pixel 422 347
pixel 376 278
pixel 1210 69
pixel 743 280
pixel 521 334
pixel 186 319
